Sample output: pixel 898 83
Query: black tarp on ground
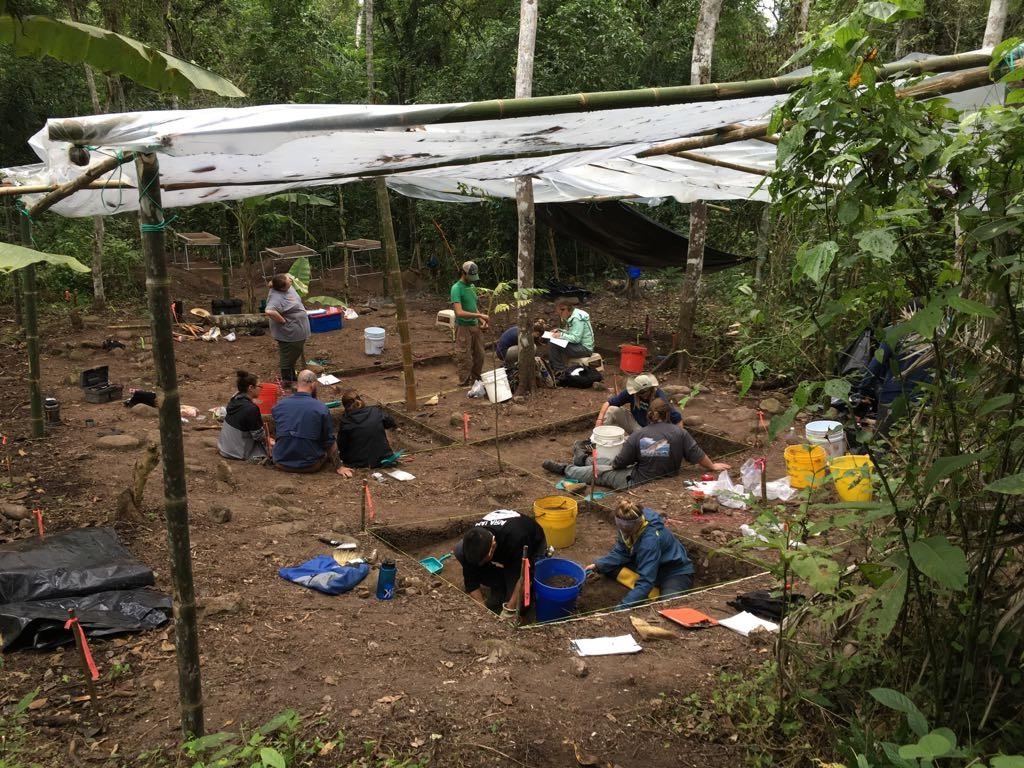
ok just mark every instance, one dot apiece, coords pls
pixel 87 569
pixel 627 235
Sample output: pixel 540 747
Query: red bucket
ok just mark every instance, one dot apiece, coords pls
pixel 269 394
pixel 632 358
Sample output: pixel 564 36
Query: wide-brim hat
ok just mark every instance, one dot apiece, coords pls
pixel 641 382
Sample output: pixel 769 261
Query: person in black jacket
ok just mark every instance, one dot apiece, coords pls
pixel 362 436
pixel 242 435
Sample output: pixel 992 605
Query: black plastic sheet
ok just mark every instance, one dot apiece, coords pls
pixel 85 569
pixel 39 624
pixel 76 562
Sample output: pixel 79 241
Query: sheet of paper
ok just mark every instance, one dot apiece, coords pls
pixel 745 623
pixel 327 379
pixel 606 646
pixel 401 474
pixel 555 340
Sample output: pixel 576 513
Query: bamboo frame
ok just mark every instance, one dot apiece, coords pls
pixel 151 220
pixel 11 190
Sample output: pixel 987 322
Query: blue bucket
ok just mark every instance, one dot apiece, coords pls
pixel 556 602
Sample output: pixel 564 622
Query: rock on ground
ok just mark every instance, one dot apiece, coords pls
pixel 771 406
pixel 219 513
pixel 229 602
pixel 119 442
pixel 14 511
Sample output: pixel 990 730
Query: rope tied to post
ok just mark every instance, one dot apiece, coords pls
pixel 159 226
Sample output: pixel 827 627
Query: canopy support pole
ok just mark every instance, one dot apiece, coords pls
pixel 30 319
pixel 186 636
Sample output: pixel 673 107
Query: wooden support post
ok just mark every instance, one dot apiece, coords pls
pixel 152 224
pixel 391 248
pixel 30 322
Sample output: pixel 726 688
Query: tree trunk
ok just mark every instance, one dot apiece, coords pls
pixel 368 33
pixel 169 47
pixel 391 248
pixel 700 72
pixel 802 19
pixel 554 252
pixel 995 25
pixel 360 10
pixel 524 204
pixel 250 267
pixel 31 325
pixel 416 259
pixel 764 227
pixel 343 237
pixel 172 450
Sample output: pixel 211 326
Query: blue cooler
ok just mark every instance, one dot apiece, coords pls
pixel 323 322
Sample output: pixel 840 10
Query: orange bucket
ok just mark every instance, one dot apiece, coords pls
pixel 269 395
pixel 632 358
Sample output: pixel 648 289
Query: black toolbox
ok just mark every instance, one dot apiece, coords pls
pixel 95 382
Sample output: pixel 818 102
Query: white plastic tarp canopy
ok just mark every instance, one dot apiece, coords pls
pixel 228 154
pixel 210 155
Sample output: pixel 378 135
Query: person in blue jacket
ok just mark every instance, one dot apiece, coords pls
pixel 628 408
pixel 648 548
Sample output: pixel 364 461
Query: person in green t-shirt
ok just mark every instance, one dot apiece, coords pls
pixel 469 345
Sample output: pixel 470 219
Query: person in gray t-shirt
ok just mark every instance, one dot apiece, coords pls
pixel 289 324
pixel 654 451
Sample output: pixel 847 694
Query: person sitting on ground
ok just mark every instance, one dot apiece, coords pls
pixel 646 547
pixel 640 391
pixel 242 435
pixel 576 329
pixel 469 345
pixel 362 439
pixel 654 451
pixel 305 434
pixel 507 345
pixel 491 554
pixel 289 324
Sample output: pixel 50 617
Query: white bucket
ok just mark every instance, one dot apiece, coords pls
pixel 496 378
pixel 608 441
pixel 373 340
pixel 829 435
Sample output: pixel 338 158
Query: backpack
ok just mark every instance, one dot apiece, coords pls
pixel 761 603
pixel 581 377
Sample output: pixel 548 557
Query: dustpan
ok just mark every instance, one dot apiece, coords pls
pixel 433 564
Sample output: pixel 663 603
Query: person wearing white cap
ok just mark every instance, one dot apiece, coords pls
pixel 469 345
pixel 628 408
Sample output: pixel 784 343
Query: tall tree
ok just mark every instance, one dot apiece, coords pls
pixel 700 72
pixel 368 33
pixel 996 24
pixel 524 201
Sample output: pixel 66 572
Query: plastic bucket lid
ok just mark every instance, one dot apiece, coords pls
pixel 823 429
pixel 608 435
pixel 374 332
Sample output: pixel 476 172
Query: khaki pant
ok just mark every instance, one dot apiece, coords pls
pixel 289 353
pixel 621 417
pixel 469 353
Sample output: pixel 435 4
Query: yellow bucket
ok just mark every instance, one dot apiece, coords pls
pixel 852 476
pixel 557 516
pixel 806 465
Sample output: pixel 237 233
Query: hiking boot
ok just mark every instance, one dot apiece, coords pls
pixel 554 467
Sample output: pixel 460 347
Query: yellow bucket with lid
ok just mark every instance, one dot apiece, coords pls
pixel 557 516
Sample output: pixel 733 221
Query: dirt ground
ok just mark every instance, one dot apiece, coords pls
pixel 429 675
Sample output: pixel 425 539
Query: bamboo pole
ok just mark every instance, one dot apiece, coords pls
pixel 88 176
pixel 398 289
pixel 12 190
pixel 30 322
pixel 151 220
pixel 99 131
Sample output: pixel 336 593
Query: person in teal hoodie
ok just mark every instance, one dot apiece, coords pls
pixel 648 548
pixel 576 330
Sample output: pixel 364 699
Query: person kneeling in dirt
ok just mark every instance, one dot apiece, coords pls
pixel 304 432
pixel 362 435
pixel 628 409
pixel 491 554
pixel 654 451
pixel 242 435
pixel 647 549
pixel 507 345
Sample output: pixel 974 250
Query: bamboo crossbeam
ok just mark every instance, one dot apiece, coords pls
pixel 98 131
pixel 10 190
pixel 706 160
pixel 88 176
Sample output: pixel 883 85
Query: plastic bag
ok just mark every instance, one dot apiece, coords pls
pixel 477 390
pixel 323 574
pixel 729 494
pixel 751 478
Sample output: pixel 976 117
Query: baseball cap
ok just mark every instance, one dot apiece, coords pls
pixel 472 270
pixel 640 383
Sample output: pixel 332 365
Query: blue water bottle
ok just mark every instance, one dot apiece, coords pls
pixel 386 580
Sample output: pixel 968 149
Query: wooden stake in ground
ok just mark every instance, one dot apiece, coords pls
pixel 30 323
pixel 89 670
pixel 397 288
pixel 362 506
pixel 153 225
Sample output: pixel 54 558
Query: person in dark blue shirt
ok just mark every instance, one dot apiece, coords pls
pixel 648 548
pixel 304 433
pixel 507 346
pixel 628 409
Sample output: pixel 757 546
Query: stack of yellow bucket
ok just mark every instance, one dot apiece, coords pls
pixel 806 465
